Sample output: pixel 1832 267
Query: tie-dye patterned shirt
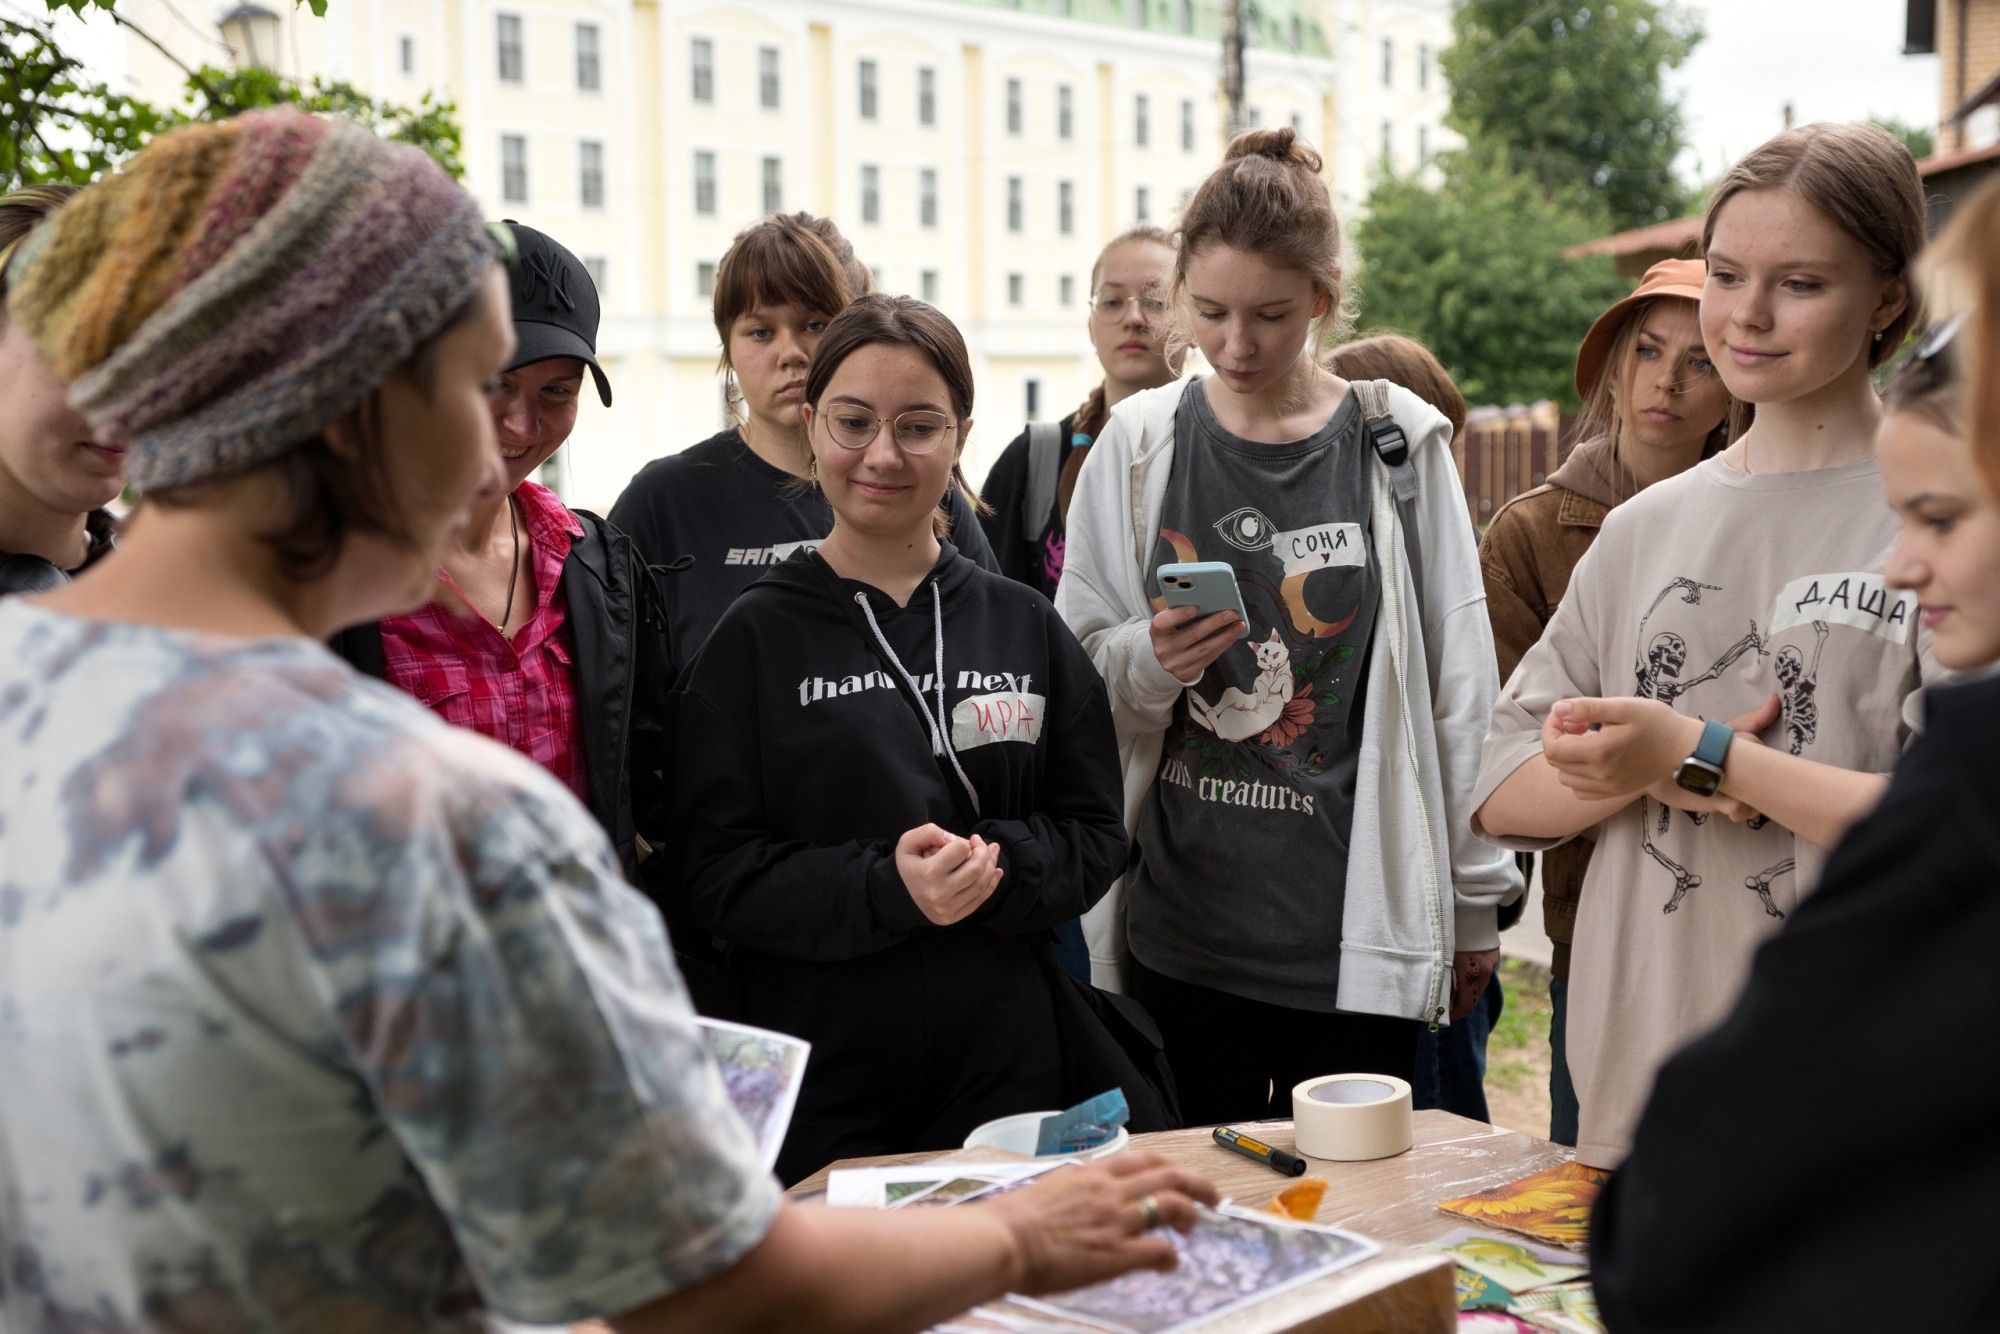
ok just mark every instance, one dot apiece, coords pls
pixel 318 1014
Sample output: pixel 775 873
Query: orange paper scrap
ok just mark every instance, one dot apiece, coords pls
pixel 1300 1200
pixel 1552 1205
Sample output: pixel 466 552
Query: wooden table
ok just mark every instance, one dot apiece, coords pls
pixel 1393 1201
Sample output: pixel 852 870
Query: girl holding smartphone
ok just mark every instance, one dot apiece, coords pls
pixel 1306 892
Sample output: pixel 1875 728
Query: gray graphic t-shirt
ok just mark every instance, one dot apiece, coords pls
pixel 318 1014
pixel 1242 843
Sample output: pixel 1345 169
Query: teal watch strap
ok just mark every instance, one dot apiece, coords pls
pixel 1715 739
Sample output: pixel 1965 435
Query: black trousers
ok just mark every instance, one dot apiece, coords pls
pixel 1237 1060
pixel 913 1046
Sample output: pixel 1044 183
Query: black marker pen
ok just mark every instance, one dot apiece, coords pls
pixel 1274 1158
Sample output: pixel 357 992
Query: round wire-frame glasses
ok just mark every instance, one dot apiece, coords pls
pixel 918 431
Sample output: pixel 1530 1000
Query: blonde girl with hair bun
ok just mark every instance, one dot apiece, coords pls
pixel 1724 683
pixel 1305 892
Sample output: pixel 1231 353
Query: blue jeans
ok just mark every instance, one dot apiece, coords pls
pixel 1562 1093
pixel 1451 1061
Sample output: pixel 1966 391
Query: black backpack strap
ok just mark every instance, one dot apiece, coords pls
pixel 1393 448
pixel 1045 442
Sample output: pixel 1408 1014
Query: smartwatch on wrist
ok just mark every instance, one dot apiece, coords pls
pixel 1701 772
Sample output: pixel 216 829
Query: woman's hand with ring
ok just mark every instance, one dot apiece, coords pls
pixel 1075 1226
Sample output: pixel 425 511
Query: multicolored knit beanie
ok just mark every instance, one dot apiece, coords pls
pixel 240 285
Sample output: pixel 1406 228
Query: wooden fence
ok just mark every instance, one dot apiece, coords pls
pixel 1506 451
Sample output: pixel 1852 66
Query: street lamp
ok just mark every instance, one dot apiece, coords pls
pixel 252 33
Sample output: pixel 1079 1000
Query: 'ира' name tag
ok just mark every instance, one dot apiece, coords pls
pixel 1863 601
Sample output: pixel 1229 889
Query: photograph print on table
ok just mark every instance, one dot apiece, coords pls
pixel 1231 1257
pixel 761 1072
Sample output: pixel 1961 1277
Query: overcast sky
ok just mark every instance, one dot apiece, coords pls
pixel 1831 59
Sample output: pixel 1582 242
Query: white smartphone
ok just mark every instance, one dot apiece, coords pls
pixel 1208 585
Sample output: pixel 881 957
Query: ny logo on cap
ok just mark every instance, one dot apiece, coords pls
pixel 552 274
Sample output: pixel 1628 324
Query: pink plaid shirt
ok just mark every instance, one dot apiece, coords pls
pixel 522 692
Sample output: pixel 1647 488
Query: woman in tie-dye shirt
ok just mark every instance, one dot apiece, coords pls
pixel 315 1013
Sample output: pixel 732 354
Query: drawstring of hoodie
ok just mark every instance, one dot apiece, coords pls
pixel 941 724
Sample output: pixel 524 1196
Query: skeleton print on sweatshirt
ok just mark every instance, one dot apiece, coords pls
pixel 1709 593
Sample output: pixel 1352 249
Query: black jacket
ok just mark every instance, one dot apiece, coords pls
pixel 1826 1158
pixel 32 574
pixel 619 626
pixel 802 757
pixel 722 516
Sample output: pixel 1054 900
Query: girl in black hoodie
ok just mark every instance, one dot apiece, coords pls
pixel 897 772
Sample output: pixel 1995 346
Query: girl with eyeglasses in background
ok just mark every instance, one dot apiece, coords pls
pixel 895 772
pixel 1128 330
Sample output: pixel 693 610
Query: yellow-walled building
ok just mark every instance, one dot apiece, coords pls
pixel 978 154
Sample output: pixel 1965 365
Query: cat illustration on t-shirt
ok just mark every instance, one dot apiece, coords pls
pixel 1238 716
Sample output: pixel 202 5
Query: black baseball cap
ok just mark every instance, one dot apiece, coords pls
pixel 555 304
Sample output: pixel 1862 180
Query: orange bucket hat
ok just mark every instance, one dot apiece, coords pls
pixel 1670 277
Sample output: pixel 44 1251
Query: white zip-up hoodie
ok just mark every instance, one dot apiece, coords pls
pixel 1419 884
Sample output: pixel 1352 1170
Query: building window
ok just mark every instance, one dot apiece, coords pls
pixel 1388 62
pixel 1065 112
pixel 594 265
pixel 927 284
pixel 589 72
pixel 1013 106
pixel 869 101
pixel 406 54
pixel 1016 286
pixel 704 184
pixel 1142 205
pixel 875 279
pixel 1142 130
pixel 514 168
pixel 1066 286
pixel 927 197
pixel 1423 67
pixel 701 69
pixel 927 96
pixel 1033 397
pixel 1256 117
pixel 1388 144
pixel 1066 208
pixel 590 173
pixel 871 194
pixel 1016 204
pixel 1135 13
pixel 704 278
pixel 774 185
pixel 1187 125
pixel 508 29
pixel 1298 125
pixel 1184 17
pixel 1423 146
pixel 767 77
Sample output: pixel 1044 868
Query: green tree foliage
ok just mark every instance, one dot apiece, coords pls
pixel 59 124
pixel 1920 141
pixel 1475 269
pixel 1575 90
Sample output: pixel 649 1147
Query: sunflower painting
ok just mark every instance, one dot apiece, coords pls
pixel 1552 1205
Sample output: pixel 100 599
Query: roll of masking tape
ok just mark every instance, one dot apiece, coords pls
pixel 1352 1118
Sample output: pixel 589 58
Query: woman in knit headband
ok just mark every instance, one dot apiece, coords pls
pixel 359 998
